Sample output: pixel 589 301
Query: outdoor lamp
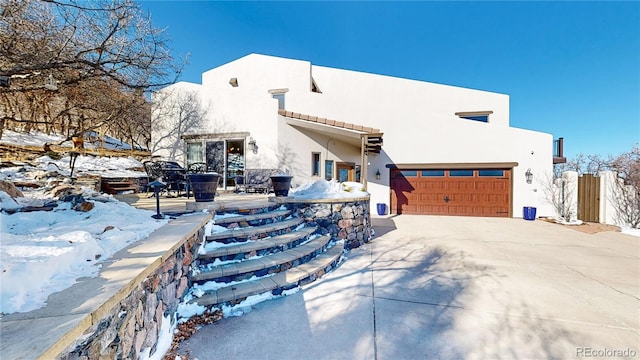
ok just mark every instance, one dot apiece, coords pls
pixel 529 176
pixel 156 191
pixel 253 146
pixel 73 155
pixel 51 83
pixel 378 174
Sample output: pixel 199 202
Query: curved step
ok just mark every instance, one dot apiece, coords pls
pixel 264 265
pixel 255 232
pixel 252 219
pixel 262 247
pixel 288 279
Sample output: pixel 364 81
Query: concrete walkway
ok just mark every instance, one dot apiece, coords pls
pixel 431 287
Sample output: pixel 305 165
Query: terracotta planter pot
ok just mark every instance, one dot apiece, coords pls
pixel 281 184
pixel 204 186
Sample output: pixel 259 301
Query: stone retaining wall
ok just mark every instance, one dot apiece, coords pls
pixel 134 322
pixel 345 219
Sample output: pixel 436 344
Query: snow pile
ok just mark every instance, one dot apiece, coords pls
pixel 33 138
pixel 43 252
pixel 323 189
pixel 46 251
pixel 38 138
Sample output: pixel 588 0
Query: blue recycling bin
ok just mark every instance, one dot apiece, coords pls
pixel 382 208
pixel 529 213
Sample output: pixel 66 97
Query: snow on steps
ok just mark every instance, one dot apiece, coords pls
pixel 263 247
pixel 255 232
pixel 271 257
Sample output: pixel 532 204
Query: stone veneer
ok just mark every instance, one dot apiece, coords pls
pixel 133 324
pixel 347 219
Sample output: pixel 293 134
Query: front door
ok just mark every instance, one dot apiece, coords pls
pixel 345 171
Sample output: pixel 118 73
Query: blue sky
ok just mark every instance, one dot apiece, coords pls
pixel 571 69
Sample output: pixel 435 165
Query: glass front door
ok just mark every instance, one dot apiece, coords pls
pixel 226 157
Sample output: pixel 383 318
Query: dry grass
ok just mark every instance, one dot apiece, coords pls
pixel 588 227
pixel 187 329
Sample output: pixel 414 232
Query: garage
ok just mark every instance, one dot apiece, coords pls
pixel 462 190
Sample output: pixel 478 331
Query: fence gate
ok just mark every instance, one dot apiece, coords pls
pixel 589 198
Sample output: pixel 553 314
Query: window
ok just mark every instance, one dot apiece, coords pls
pixel 460 172
pixel 280 98
pixel 409 172
pixel 315 164
pixel 482 116
pixel 314 87
pixel 432 173
pixel 194 153
pixel 328 169
pixel 490 172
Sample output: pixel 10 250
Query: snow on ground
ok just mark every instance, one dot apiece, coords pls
pixel 630 231
pixel 38 138
pixel 46 251
pixel 43 252
pixel 328 189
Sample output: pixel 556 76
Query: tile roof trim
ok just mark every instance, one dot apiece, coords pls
pixel 334 123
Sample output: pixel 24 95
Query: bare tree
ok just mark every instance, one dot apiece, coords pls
pixel 61 61
pixel 560 193
pixel 174 113
pixel 626 188
pixel 583 164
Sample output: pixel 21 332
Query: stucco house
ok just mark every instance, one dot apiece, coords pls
pixel 418 147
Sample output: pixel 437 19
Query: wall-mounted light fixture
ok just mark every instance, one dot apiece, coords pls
pixel 529 176
pixel 378 174
pixel 233 82
pixel 252 145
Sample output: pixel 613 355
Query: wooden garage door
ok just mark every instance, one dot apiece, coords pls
pixel 470 192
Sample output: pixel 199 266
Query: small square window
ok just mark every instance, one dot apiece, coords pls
pixel 481 116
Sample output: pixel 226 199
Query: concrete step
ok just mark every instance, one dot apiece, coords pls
pixel 262 266
pixel 297 276
pixel 245 250
pixel 255 232
pixel 232 222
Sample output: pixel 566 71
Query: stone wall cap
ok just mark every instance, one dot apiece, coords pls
pixel 294 200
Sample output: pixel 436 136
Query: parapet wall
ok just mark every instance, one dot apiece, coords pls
pixel 347 219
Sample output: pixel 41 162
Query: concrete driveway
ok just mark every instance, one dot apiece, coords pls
pixel 430 287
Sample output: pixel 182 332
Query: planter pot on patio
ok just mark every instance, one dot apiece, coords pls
pixel 281 184
pixel 204 186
